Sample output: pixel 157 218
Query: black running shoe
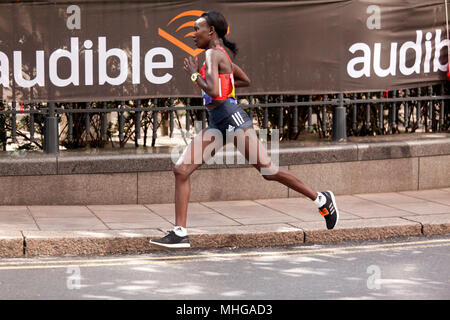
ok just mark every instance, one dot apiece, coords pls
pixel 171 240
pixel 329 210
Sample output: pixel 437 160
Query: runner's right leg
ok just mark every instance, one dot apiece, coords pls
pixel 192 158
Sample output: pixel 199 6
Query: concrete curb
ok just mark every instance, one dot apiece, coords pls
pixel 82 243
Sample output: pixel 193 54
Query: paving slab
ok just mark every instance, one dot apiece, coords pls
pixel 70 224
pixel 405 201
pixel 59 211
pixel 99 229
pixel 118 217
pixel 249 212
pixel 300 208
pixel 367 208
pixel 198 215
pixel 441 196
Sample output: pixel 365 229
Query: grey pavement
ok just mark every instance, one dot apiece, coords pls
pixel 115 229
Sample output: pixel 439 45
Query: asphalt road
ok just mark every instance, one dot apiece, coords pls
pixel 413 268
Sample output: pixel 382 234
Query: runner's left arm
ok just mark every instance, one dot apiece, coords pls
pixel 240 78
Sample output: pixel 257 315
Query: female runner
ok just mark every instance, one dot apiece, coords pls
pixel 217 79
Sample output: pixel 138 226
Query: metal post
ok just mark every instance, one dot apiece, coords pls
pixel 51 130
pixel 339 132
pixel 310 115
pixel 266 113
pixel 137 124
pixel 31 126
pixel 188 117
pixel 442 109
pixel 418 109
pixel 368 111
pixel 394 113
pixel 430 109
pixel 13 123
pixel 171 118
pixel 155 122
pixel 70 123
pixel 406 108
pixel 295 128
pixel 280 116
pixel 104 123
pixel 381 115
pixel 121 122
pixel 250 113
pixel 87 121
pixel 324 117
pixel 3 136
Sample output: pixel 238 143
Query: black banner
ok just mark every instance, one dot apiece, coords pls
pixel 117 50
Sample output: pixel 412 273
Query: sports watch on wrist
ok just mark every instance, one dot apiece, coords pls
pixel 194 76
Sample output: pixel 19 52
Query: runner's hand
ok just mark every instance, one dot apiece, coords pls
pixel 191 65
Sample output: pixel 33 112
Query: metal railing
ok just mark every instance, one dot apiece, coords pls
pixel 332 116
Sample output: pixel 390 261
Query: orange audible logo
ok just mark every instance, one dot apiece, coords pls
pixel 180 44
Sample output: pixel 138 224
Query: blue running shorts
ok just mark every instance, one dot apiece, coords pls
pixel 227 118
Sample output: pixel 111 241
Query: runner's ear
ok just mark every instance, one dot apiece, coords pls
pixel 212 30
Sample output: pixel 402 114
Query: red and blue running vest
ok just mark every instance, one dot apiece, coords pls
pixel 226 84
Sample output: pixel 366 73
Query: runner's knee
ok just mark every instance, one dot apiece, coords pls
pixel 181 171
pixel 269 173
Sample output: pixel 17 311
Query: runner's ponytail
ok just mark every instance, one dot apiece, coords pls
pixel 230 45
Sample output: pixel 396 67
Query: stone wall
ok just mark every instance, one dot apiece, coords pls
pixel 140 176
